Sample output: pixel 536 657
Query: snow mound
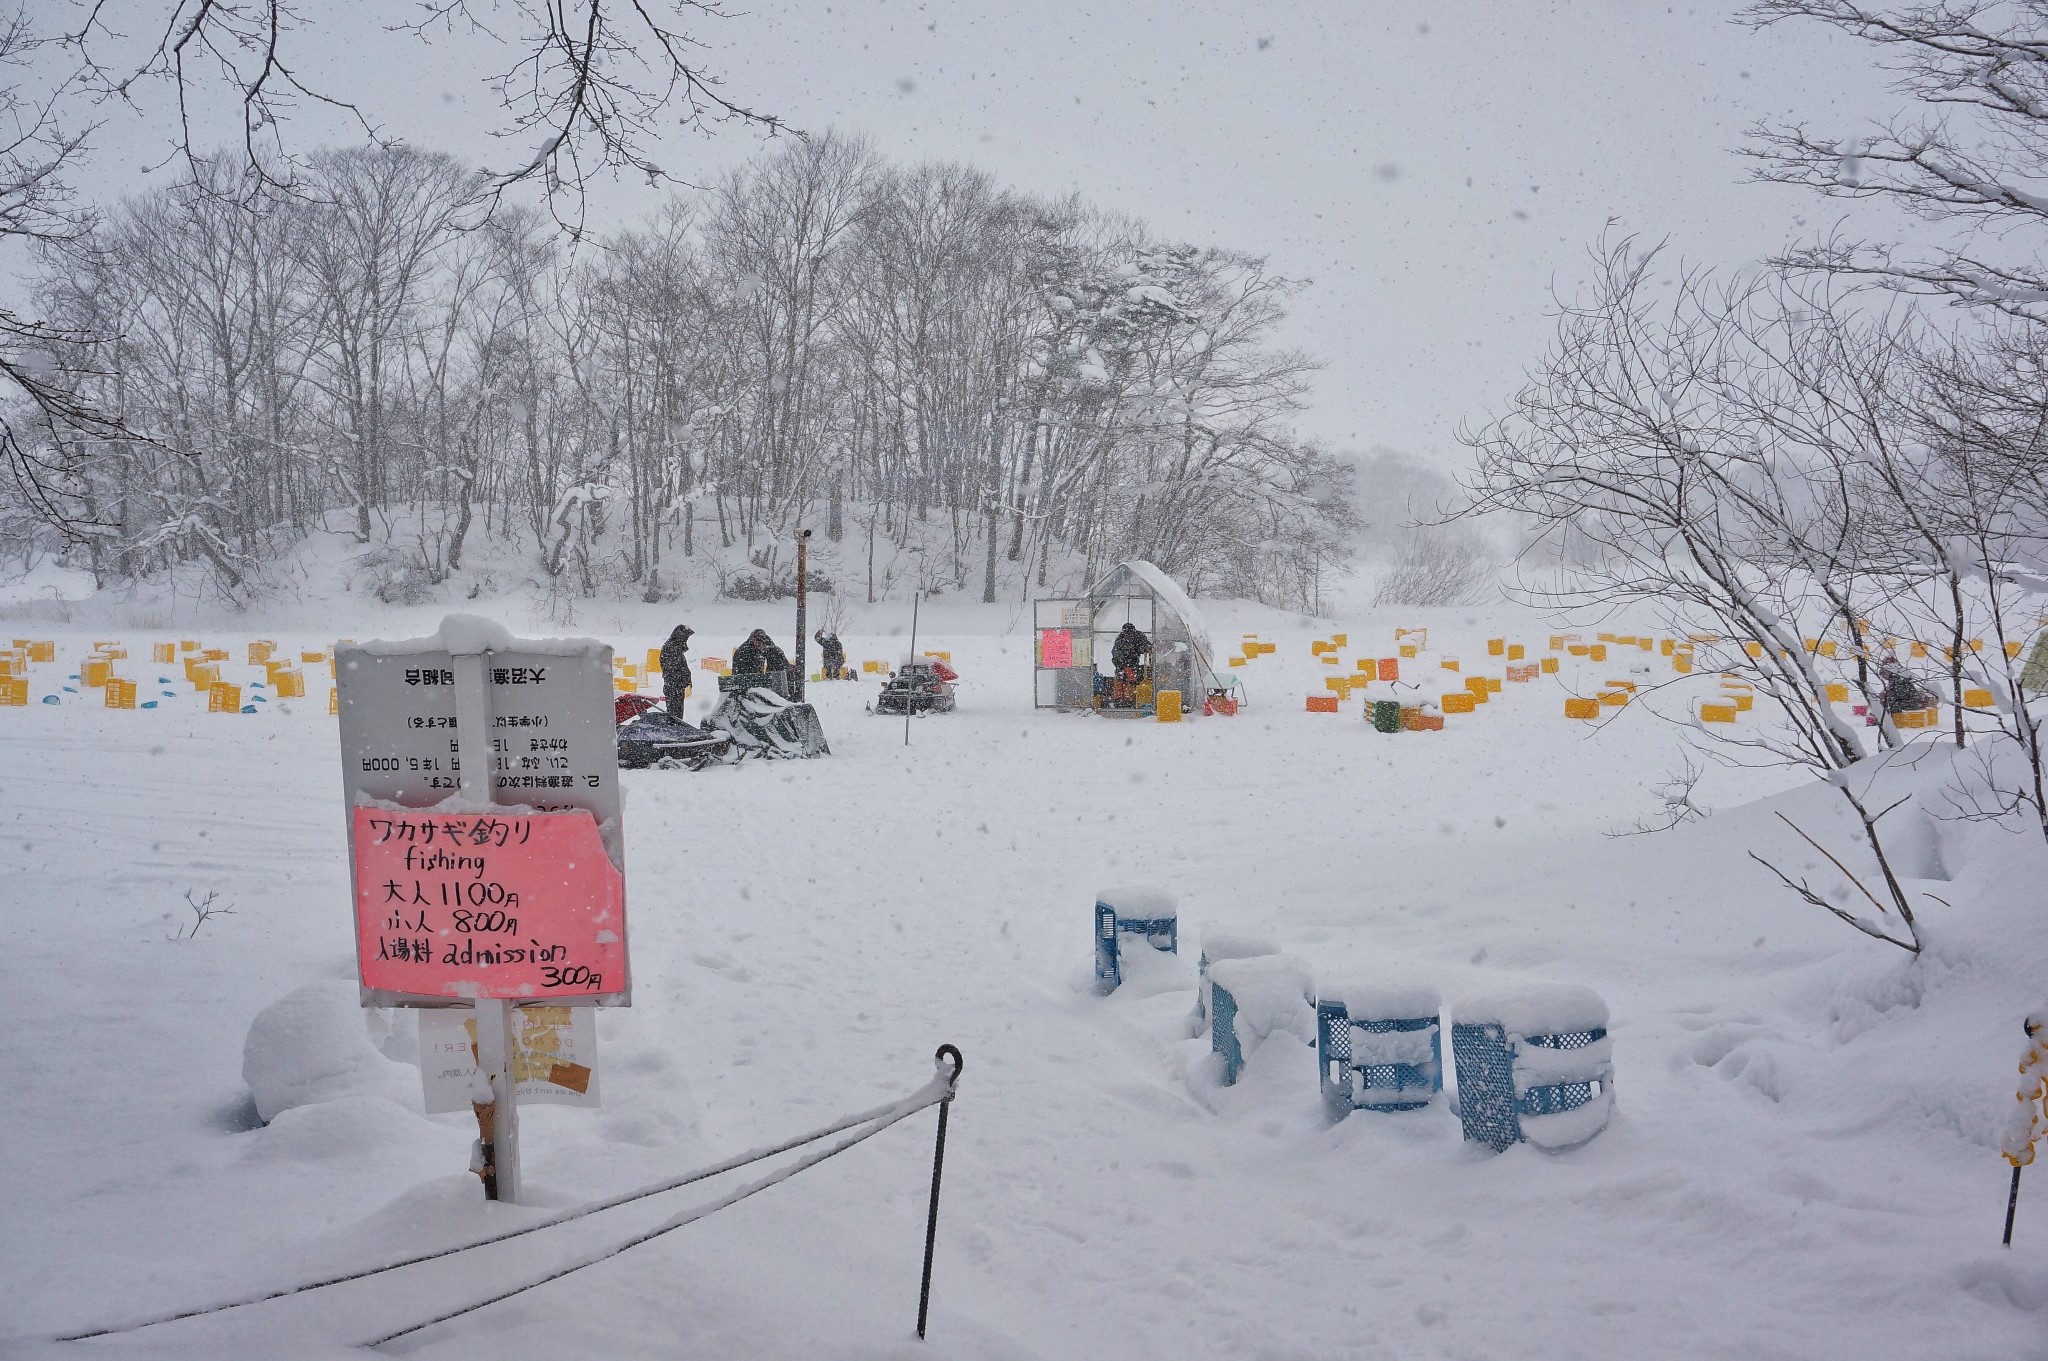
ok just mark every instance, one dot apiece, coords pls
pixel 313 1045
pixel 1274 994
pixel 1138 904
pixel 1383 999
pixel 1534 1009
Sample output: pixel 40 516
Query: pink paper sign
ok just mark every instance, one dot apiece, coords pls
pixel 1055 647
pixel 517 906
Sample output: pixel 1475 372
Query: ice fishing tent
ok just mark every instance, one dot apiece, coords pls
pixel 1074 638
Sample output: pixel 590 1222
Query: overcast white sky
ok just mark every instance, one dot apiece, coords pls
pixel 1434 169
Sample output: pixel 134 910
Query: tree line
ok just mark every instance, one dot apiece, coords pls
pixel 900 357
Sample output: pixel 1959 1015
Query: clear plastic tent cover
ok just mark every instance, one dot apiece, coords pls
pixel 1073 637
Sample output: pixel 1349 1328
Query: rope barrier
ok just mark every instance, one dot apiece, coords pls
pixel 940 1088
pixel 944 1091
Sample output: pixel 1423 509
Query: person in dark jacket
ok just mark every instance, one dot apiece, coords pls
pixel 831 655
pixel 1901 693
pixel 675 668
pixel 1129 651
pixel 759 655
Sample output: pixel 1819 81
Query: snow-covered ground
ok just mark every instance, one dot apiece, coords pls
pixel 1802 1162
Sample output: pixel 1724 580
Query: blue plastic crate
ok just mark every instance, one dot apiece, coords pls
pixel 1161 933
pixel 1488 1109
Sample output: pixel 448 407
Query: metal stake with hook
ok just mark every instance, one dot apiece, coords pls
pixel 931 1223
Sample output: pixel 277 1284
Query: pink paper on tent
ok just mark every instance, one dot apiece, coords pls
pixel 1055 647
pixel 510 905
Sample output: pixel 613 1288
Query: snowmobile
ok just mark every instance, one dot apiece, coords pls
pixel 761 721
pixel 649 735
pixel 923 685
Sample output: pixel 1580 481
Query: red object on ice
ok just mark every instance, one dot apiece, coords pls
pixel 626 708
pixel 944 672
pixel 1220 704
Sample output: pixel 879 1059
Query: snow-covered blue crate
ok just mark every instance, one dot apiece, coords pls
pixel 1379 1046
pixel 1119 912
pixel 1218 946
pixel 1253 999
pixel 1535 1065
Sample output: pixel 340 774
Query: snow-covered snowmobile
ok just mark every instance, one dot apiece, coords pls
pixel 761 721
pixel 649 735
pixel 922 685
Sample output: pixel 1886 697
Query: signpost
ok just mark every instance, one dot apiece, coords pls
pixel 499 879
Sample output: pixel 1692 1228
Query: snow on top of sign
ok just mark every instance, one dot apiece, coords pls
pixel 468 634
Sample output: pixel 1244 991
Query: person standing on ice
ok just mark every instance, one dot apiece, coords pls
pixel 832 655
pixel 1128 652
pixel 759 656
pixel 675 669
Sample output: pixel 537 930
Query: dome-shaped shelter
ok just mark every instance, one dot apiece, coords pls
pixel 1076 640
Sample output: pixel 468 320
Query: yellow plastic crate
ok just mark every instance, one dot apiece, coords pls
pixel 333 701
pixel 1682 665
pixel 1597 652
pixel 163 654
pixel 1340 640
pixel 1665 646
pixel 1167 706
pixel 13 692
pixel 1330 659
pixel 204 676
pixel 1838 693
pixel 1717 713
pixel 1753 649
pixel 653 660
pixel 1550 666
pixel 94 672
pixel 188 645
pixel 1458 702
pixel 223 698
pixel 1318 649
pixel 1917 718
pixel 1409 650
pixel 1496 647
pixel 1234 661
pixel 120 693
pixel 1827 649
pixel 1449 663
pixel 312 657
pixel 290 684
pixel 1916 649
pixel 1582 708
pixel 1614 699
pixel 259 651
pixel 42 651
pixel 1978 699
pixel 1516 652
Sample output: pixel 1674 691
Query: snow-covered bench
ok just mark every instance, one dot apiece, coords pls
pixel 1534 1063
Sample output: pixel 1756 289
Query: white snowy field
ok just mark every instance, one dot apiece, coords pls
pixel 1802 1162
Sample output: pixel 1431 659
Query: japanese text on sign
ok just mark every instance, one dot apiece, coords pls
pixel 514 906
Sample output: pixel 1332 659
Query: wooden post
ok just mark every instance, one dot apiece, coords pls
pixel 496 1041
pixel 803 573
pixel 496 1044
